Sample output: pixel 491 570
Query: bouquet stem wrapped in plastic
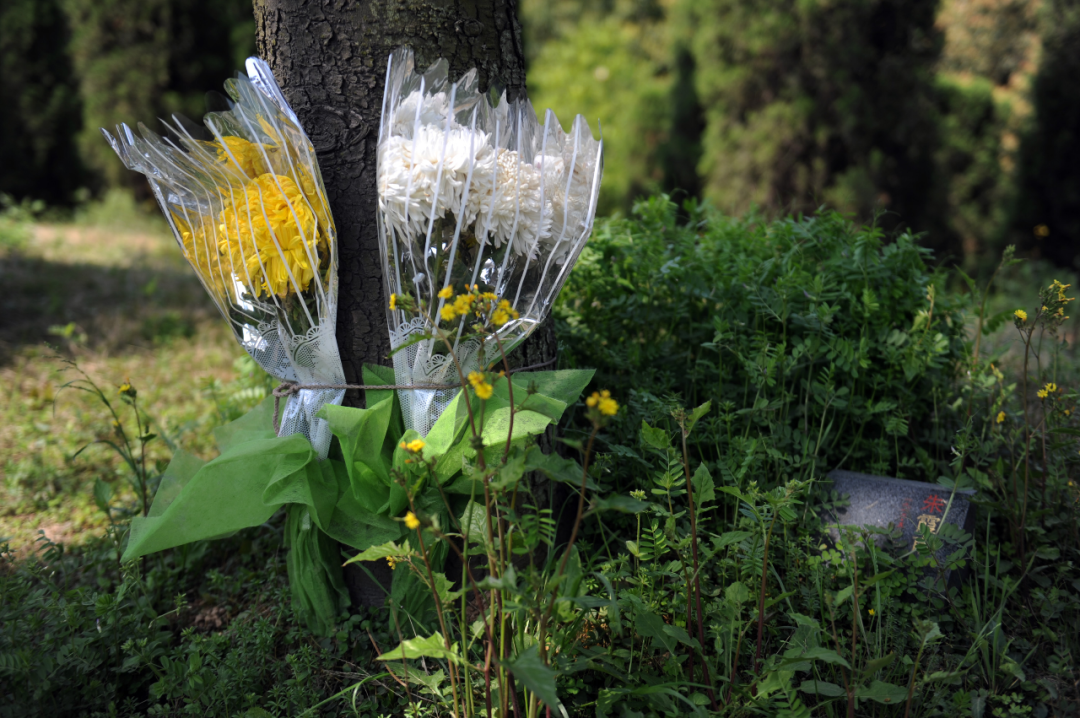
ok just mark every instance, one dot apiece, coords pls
pixel 475 200
pixel 247 206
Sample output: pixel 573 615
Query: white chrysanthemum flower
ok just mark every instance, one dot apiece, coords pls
pixel 413 186
pixel 433 111
pixel 509 205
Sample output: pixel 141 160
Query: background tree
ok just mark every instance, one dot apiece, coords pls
pixel 41 106
pixel 1046 218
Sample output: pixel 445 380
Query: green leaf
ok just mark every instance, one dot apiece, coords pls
pixel 843 595
pixel 657 439
pixel 877 664
pixel 737 593
pixel 704 487
pixel 511 472
pixel 526 423
pixel 563 385
pixel 729 537
pixel 622 504
pixel 535 675
pixel 556 468
pixel 382 551
pixel 697 414
pixel 474 522
pixel 882 693
pixel 821 653
pixel 822 688
pixel 648 624
pixel 434 646
pixel 102 494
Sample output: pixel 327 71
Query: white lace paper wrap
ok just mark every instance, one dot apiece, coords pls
pixel 247 206
pixel 473 194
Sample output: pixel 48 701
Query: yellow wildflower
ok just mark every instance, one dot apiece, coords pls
pixel 270 228
pixel 446 292
pixel 1041 230
pixel 411 521
pixel 415 445
pixel 1021 315
pixel 480 386
pixel 602 400
pixel 490 296
pixel 503 313
pixel 393 302
pixel 447 312
pixel 392 561
pixel 872 612
pixel 1047 390
pixel 1068 412
pixel 463 303
pixel 1000 417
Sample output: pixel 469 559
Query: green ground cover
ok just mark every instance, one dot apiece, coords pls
pixel 814 343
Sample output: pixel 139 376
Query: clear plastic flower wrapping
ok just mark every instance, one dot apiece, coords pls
pixel 247 206
pixel 473 195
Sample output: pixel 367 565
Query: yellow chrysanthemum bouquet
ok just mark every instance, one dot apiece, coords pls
pixel 246 203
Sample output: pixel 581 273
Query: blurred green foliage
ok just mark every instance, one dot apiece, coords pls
pixel 70 67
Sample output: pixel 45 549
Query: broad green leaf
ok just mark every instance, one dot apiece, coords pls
pixel 102 494
pixel 622 504
pixel 657 439
pixel 526 423
pixel 537 677
pixel 704 487
pixel 474 522
pixel 434 646
pixel 729 537
pixel 822 688
pixel 697 414
pixel 556 468
pixel 877 664
pixel 510 473
pixel 648 624
pixel 563 385
pixel 737 593
pixel 844 594
pixel 382 551
pixel 882 693
pixel 824 654
pixel 448 428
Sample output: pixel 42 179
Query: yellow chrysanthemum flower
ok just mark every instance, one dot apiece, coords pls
pixel 1000 417
pixel 1021 315
pixel 269 233
pixel 447 312
pixel 247 157
pixel 446 292
pixel 480 385
pixel 411 521
pixel 393 302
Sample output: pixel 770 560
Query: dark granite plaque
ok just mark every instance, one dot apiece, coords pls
pixel 907 505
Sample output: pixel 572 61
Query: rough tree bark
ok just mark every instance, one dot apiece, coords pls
pixel 330 59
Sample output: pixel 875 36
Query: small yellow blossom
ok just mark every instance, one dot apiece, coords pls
pixel 447 312
pixel 872 612
pixel 393 302
pixel 1041 230
pixel 446 292
pixel 1050 388
pixel 480 386
pixel 1000 417
pixel 1021 315
pixel 490 296
pixel 392 561
pixel 463 303
pixel 602 400
pixel 411 521
pixel 414 446
pixel 503 313
pixel 1068 412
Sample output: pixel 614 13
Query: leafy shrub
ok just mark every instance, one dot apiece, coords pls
pixel 813 332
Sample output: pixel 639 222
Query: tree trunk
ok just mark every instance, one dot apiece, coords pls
pixel 330 60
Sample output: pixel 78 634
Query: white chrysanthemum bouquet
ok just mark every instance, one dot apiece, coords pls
pixel 247 205
pixel 482 213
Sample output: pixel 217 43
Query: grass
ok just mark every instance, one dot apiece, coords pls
pixel 120 301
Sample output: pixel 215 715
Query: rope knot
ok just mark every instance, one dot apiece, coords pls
pixel 283 391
